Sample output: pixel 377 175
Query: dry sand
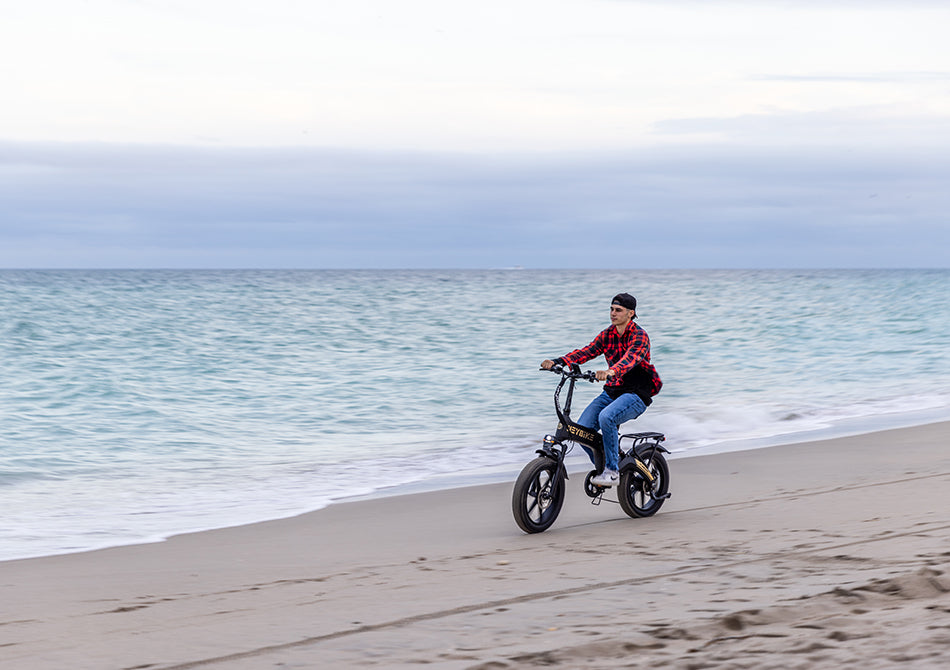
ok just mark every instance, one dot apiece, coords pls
pixel 830 554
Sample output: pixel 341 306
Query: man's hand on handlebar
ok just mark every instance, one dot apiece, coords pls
pixel 602 375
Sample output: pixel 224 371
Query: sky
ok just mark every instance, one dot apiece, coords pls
pixel 555 133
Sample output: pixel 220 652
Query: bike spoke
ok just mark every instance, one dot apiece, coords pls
pixel 533 506
pixel 544 494
pixel 535 509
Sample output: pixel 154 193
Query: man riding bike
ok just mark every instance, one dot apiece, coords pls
pixel 631 380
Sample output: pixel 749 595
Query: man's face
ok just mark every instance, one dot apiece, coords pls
pixel 620 316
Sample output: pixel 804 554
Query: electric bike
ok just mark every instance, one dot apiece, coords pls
pixel 539 490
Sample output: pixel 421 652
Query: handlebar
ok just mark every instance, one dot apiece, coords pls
pixel 573 372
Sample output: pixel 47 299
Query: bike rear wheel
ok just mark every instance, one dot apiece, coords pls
pixel 538 495
pixel 637 495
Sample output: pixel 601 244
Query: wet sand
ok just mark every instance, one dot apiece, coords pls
pixel 823 554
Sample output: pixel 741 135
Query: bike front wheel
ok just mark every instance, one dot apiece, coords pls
pixel 637 495
pixel 538 495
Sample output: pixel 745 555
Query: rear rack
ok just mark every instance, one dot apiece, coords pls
pixel 639 438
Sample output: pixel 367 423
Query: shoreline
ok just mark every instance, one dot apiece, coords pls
pixel 577 463
pixel 829 553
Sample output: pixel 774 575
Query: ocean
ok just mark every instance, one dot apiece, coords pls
pixel 140 404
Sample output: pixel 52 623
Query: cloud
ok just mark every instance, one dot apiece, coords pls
pixel 862 78
pixel 715 206
pixel 850 127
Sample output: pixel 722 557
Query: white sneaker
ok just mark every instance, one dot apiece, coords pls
pixel 607 478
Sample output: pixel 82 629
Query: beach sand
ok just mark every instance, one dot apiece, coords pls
pixel 830 554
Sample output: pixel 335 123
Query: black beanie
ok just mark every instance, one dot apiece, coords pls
pixel 625 300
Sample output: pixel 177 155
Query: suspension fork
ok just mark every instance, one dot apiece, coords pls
pixel 556 451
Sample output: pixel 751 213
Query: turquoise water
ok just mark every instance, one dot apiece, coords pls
pixel 139 404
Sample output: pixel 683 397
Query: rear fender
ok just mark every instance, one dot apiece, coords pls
pixel 651 447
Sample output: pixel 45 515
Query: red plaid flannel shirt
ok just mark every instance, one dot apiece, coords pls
pixel 624 353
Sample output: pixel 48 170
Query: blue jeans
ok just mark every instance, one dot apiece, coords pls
pixel 607 414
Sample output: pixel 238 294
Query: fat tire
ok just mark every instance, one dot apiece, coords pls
pixel 632 493
pixel 538 495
